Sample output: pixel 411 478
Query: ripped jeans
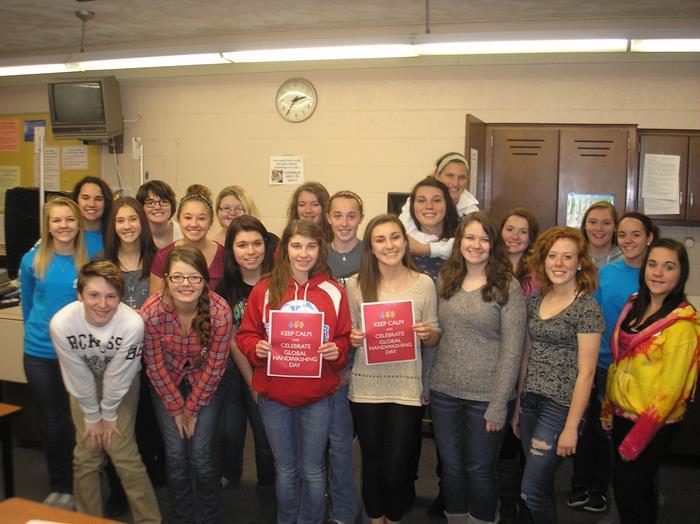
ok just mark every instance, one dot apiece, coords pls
pixel 541 422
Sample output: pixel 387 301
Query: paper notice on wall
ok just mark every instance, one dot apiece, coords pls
pixel 659 206
pixel 51 168
pixel 661 177
pixel 10 177
pixel 473 170
pixel 74 157
pixel 286 169
pixel 9 135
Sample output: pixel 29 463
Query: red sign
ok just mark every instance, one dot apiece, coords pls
pixel 389 335
pixel 295 338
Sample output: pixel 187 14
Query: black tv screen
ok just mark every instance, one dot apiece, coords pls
pixel 78 103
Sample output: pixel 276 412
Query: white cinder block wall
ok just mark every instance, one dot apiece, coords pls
pixel 376 129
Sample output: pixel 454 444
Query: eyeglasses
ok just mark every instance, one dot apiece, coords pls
pixel 240 210
pixel 179 279
pixel 152 203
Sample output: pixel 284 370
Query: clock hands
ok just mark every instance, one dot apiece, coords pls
pixel 296 99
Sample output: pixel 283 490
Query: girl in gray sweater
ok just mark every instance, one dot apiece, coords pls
pixel 482 314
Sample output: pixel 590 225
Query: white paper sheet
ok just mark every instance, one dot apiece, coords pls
pixel 660 177
pixel 659 206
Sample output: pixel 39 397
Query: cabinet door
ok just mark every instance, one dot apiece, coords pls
pixel 592 161
pixel 524 172
pixel 665 145
pixel 693 201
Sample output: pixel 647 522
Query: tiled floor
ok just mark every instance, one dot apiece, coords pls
pixel 680 485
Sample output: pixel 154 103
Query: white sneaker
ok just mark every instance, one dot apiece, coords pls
pixel 52 498
pixel 66 501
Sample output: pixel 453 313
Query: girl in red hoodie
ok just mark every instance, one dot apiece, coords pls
pixel 297 412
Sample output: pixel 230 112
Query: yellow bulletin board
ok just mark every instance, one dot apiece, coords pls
pixel 70 160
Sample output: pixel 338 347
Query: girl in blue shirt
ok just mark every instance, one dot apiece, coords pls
pixel 94 198
pixel 47 281
pixel 616 282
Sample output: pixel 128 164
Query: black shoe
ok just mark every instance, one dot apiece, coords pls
pixel 577 498
pixel 596 503
pixel 437 508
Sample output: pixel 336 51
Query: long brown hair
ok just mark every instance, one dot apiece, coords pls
pixel 147 249
pixel 46 249
pixel 321 193
pixel 533 229
pixel 282 272
pixel 498 269
pixel 192 256
pixel 586 277
pixel 369 276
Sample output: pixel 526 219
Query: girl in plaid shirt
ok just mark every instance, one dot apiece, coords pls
pixel 186 343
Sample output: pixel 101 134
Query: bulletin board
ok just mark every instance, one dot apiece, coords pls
pixel 65 161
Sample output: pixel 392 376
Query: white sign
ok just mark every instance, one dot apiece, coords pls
pixel 660 184
pixel 51 168
pixel 286 169
pixel 75 157
pixel 10 177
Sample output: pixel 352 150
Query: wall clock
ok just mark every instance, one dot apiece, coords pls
pixel 296 100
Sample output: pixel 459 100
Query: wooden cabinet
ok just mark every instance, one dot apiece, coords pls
pixel 685 145
pixel 537 166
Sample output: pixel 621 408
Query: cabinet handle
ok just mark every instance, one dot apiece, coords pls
pixel 691 200
pixel 681 199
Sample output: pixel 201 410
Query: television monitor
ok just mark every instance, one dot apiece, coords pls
pixel 86 109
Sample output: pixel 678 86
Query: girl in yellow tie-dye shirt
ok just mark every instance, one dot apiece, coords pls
pixel 655 351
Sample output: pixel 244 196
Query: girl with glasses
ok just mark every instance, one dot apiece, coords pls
pixel 232 202
pixel 158 201
pixel 186 343
pixel 195 214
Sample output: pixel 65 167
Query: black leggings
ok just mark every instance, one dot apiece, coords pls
pixel 386 438
pixel 634 481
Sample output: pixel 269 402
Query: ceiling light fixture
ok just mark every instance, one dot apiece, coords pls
pixel 339 52
pixel 522 46
pixel 666 45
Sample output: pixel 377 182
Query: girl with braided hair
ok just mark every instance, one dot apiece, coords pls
pixel 186 343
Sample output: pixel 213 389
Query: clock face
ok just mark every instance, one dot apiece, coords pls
pixel 296 100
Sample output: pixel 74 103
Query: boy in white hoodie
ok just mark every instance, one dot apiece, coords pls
pixel 99 340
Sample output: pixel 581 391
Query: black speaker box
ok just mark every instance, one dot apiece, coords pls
pixel 22 223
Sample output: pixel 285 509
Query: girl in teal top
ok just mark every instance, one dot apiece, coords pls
pixel 47 283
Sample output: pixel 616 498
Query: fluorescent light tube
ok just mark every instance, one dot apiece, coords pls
pixel 667 45
pixel 523 46
pixel 152 61
pixel 38 69
pixel 339 52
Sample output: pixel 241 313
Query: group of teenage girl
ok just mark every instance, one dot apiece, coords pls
pixel 576 342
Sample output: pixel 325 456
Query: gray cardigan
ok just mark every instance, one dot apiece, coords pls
pixel 481 349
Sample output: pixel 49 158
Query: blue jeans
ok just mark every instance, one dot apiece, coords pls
pixel 342 489
pixel 57 430
pixel 192 468
pixel 299 437
pixel 468 455
pixel 239 408
pixel 541 422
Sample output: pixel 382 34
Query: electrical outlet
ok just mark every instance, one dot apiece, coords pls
pixel 136 148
